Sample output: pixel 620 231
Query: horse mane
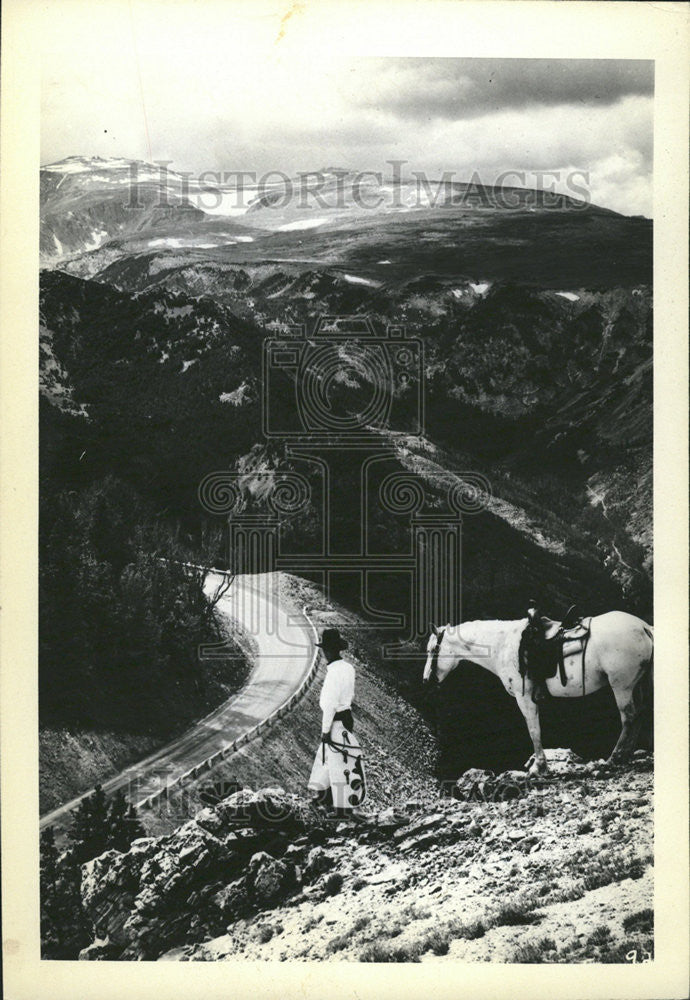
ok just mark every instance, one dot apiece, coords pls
pixel 499 624
pixel 485 628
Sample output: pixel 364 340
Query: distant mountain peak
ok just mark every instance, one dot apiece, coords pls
pixel 76 164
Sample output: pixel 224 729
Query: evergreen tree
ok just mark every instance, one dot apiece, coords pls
pixel 122 822
pixel 64 927
pixel 49 857
pixel 89 831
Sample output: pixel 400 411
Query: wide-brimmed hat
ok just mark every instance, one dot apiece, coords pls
pixel 332 638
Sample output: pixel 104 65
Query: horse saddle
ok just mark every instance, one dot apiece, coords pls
pixel 542 643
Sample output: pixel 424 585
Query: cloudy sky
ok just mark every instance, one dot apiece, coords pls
pixel 228 93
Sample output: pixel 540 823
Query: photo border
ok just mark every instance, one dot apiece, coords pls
pixel 497 28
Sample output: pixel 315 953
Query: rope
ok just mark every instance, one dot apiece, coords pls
pixel 342 747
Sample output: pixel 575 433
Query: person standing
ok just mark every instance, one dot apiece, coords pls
pixel 337 776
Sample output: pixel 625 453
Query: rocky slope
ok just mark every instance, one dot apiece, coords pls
pixel 511 869
pixel 549 397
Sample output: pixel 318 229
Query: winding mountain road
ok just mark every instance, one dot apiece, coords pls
pixel 283 654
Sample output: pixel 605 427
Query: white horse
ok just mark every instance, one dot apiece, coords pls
pixel 619 652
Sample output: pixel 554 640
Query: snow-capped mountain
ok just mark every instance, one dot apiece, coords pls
pixel 97 212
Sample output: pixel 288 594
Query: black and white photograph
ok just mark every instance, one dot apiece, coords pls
pixel 346 497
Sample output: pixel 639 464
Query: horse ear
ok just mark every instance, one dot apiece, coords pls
pixel 434 629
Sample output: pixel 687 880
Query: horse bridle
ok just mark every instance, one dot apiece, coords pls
pixel 434 655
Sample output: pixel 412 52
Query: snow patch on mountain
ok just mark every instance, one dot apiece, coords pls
pixel 168 241
pixel 172 312
pixel 301 224
pixel 237 397
pixel 98 236
pixel 355 280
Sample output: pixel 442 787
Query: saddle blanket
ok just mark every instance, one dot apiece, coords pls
pixel 340 766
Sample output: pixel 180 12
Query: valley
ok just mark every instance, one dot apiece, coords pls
pixel 534 328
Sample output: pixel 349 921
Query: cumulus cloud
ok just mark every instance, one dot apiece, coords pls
pixel 248 105
pixel 468 88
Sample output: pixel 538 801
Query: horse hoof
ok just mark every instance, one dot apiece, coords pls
pixel 613 762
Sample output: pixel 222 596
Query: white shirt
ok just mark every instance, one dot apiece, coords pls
pixel 337 692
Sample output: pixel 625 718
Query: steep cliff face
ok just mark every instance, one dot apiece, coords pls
pixel 517 870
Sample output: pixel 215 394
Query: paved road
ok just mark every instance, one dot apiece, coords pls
pixel 284 649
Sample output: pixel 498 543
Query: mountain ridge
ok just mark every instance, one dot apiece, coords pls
pixel 89 204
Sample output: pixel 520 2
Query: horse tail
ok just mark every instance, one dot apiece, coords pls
pixel 649 668
pixel 643 693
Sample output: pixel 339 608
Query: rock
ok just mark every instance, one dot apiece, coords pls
pixel 257 860
pixel 208 819
pixel 413 805
pixel 265 807
pixel 233 900
pixel 294 852
pixel 460 819
pixel 428 822
pixel 273 881
pixel 561 761
pixel 510 785
pixel 392 873
pixel 144 845
pixel 318 862
pixel 434 820
pixel 177 954
pixel 186 886
pixel 421 842
pixel 527 843
pixel 475 785
pixel 317 836
pixel 391 819
pixel 109 885
pixel 100 950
